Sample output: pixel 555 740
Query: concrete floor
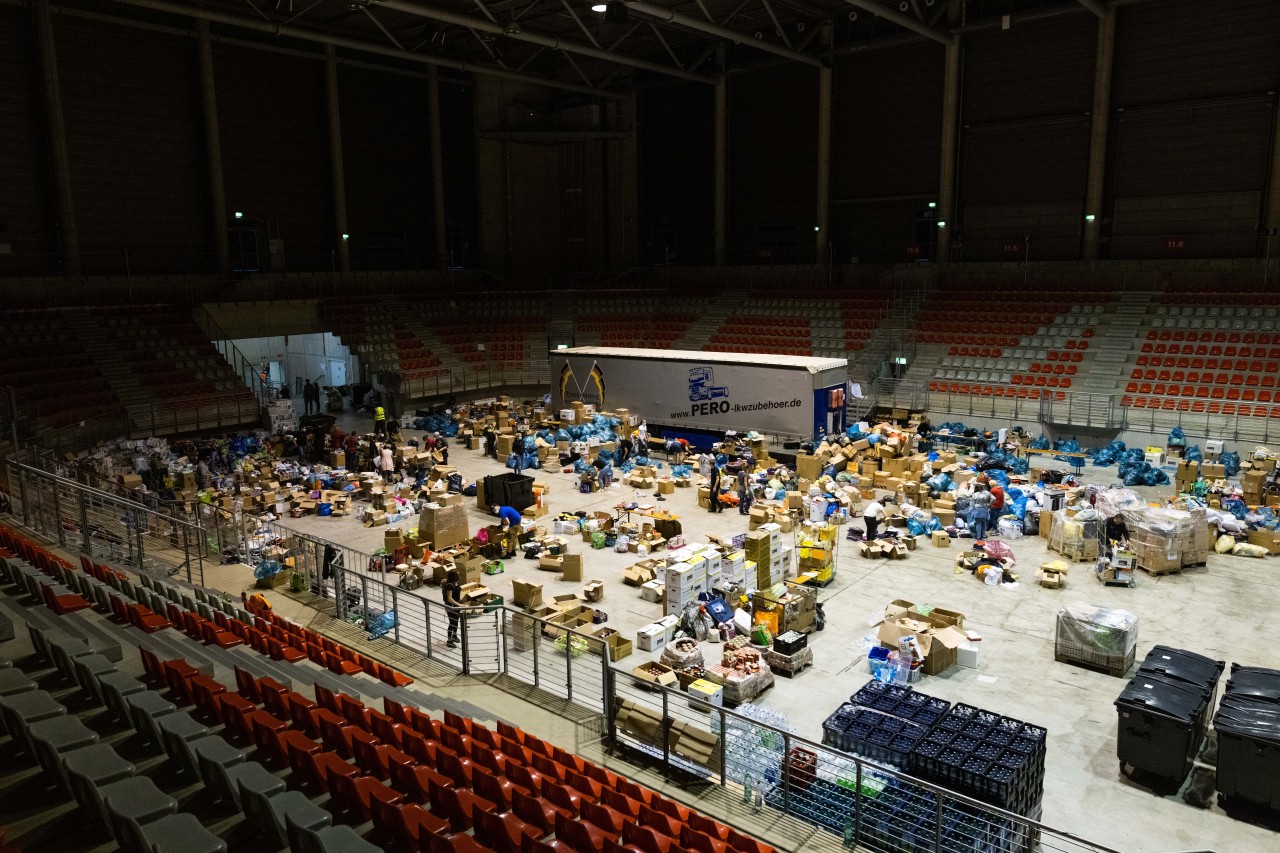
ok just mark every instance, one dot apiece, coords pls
pixel 1017 676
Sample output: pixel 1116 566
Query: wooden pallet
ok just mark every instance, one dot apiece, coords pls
pixel 792 673
pixel 1159 572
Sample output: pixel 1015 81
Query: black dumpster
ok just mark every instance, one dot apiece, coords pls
pixel 513 490
pixel 1254 682
pixel 1248 726
pixel 1185 668
pixel 1161 727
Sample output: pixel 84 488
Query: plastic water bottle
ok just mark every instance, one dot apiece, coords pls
pixel 901 665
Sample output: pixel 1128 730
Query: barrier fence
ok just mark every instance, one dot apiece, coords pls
pixel 107 526
pixel 846 800
pixel 821 796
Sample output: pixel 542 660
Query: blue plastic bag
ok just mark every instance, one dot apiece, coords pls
pixel 932 525
pixel 1193 454
pixel 1108 455
pixel 914 527
pixel 380 626
pixel 1040 443
pixel 941 483
pixel 1231 462
pixel 1177 437
pixel 266 569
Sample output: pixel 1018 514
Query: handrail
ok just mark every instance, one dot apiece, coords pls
pixel 249 374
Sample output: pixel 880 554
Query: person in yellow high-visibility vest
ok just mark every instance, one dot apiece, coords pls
pixel 380 421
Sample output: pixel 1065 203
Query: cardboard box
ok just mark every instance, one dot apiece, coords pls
pixel 593 591
pixel 946 517
pixel 526 594
pixel 938 641
pixel 571 565
pixel 655 673
pixel 1213 470
pixel 1269 539
pixel 548 563
pixel 940 539
pixel 619 647
pixel 638 721
pixel 693 744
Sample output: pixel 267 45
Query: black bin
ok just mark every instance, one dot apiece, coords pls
pixel 1161 726
pixel 513 490
pixel 1248 772
pixel 1185 668
pixel 1254 682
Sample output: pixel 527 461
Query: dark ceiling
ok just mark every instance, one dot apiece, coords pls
pixel 565 42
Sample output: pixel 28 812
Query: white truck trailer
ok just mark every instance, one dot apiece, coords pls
pixel 797 397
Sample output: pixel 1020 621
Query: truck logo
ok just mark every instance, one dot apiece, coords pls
pixel 702 385
pixel 705 396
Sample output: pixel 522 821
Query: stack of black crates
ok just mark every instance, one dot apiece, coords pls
pixel 883 722
pixel 992 758
pixel 995 759
pixel 1248 726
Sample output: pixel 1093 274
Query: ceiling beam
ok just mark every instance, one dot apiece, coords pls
pixel 246 23
pixel 896 17
pixel 423 10
pixel 670 16
pixel 1094 6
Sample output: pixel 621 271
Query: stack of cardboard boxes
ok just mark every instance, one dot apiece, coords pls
pixel 1168 540
pixel 689 572
pixel 443 524
pixel 817 551
pixel 653 637
pixel 764 548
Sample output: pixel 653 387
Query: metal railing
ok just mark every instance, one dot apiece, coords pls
pixel 109 527
pixel 459 380
pixel 249 373
pixel 193 415
pixel 1083 410
pixel 752 765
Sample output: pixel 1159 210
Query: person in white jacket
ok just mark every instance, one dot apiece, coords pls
pixel 386 462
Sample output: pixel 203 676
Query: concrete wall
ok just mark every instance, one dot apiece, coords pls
pixel 263 319
pixel 302 356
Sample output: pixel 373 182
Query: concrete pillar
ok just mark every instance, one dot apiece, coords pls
pixel 1270 236
pixel 51 92
pixel 947 172
pixel 1098 133
pixel 720 168
pixel 822 219
pixel 213 151
pixel 437 167
pixel 335 159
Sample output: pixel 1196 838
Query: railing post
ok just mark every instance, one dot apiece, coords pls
pixel 137 533
pixel 535 641
pixel 395 623
pixel 937 823
pixel 502 628
pixel 426 610
pixel 57 514
pixel 724 750
pixel 568 663
pixel 857 802
pixel 86 546
pixel 666 737
pixel 786 773
pixel 466 651
pixel 22 496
